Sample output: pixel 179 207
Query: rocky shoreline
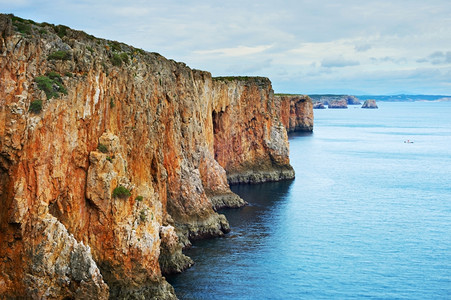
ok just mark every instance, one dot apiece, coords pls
pixel 112 159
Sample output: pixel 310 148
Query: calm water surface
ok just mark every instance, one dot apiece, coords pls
pixel 368 216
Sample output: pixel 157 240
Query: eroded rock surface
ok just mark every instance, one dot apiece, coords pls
pixel 250 141
pixel 112 159
pixel 296 112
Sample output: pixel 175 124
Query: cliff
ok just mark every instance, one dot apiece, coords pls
pixel 296 112
pixel 112 159
pixel 326 99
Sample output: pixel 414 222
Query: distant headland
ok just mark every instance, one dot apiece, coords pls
pixel 342 101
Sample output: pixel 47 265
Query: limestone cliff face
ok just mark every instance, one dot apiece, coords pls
pixel 250 141
pixel 296 112
pixel 112 159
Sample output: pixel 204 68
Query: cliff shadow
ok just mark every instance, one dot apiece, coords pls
pixel 295 134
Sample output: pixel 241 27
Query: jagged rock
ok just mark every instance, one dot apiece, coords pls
pixel 171 259
pixel 318 105
pixel 338 104
pixel 352 100
pixel 58 265
pixel 370 103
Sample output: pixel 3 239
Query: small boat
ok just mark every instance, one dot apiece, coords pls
pixel 408 142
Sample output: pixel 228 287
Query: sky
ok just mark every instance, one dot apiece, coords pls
pixel 355 47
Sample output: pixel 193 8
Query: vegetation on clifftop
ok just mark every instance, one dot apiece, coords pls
pixel 117 52
pixel 239 78
pixel 283 94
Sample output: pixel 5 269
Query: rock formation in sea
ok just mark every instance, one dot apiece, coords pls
pixel 318 105
pixel 113 159
pixel 370 103
pixel 338 104
pixel 352 100
pixel 296 112
pixel 327 98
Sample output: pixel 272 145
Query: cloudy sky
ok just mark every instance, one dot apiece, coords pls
pixel 303 46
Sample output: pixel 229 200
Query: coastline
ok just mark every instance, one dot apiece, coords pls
pixel 139 153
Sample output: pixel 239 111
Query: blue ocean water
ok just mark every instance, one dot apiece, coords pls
pixel 368 216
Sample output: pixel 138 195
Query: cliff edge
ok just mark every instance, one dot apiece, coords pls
pixel 112 159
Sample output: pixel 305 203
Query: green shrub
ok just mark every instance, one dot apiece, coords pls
pixel 115 46
pixel 143 215
pixel 139 198
pixel 112 105
pixel 23 27
pixel 35 106
pixel 124 57
pixel 140 51
pixel 51 84
pixel 102 148
pixel 54 76
pixel 59 55
pixel 61 30
pixel 109 158
pixel 121 192
pixel 45 84
pixel 233 78
pixel 116 60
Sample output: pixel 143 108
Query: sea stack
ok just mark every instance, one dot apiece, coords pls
pixel 370 103
pixel 352 100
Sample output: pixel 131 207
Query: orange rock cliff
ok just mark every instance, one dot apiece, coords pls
pixel 113 159
pixel 296 112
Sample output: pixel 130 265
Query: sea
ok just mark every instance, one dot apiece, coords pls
pixel 367 217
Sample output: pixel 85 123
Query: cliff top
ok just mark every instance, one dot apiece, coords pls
pixel 10 23
pixel 65 38
pixel 289 95
pixel 247 79
pixel 298 97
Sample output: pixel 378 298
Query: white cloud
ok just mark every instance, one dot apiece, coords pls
pixel 362 48
pixel 13 4
pixel 131 11
pixel 237 51
pixel 437 58
pixel 338 62
pixel 301 45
